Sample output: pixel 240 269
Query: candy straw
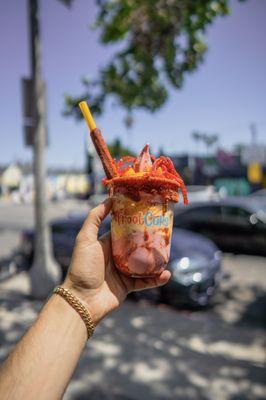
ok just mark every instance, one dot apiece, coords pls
pixel 99 142
pixel 87 115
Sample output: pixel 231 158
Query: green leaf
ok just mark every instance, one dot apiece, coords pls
pixel 160 43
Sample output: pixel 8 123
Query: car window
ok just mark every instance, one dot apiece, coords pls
pixel 235 212
pixel 200 213
pixel 65 229
pixel 58 228
pixel 206 211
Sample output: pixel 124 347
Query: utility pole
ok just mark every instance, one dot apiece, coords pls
pixel 44 274
pixel 254 133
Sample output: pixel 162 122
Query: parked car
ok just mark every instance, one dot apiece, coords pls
pixel 261 193
pixel 236 225
pixel 201 193
pixel 195 261
pixel 195 264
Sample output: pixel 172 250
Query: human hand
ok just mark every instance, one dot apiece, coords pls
pixel 92 275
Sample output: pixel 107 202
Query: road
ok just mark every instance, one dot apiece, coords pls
pixel 154 352
pixel 14 218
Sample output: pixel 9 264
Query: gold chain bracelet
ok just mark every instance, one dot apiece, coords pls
pixel 78 306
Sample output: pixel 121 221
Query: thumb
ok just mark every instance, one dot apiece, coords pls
pixel 90 227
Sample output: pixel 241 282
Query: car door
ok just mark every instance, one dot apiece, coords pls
pixel 259 237
pixel 206 220
pixel 238 231
pixel 64 235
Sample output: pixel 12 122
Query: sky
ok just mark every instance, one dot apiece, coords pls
pixel 225 94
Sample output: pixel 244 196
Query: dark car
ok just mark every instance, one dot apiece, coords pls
pixel 195 261
pixel 236 225
pixel 195 264
pixel 261 194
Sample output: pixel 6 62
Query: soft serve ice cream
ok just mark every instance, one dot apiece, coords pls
pixel 144 190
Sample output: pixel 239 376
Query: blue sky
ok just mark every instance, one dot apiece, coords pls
pixel 224 95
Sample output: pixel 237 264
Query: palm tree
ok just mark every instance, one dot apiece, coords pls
pixel 209 140
pixel 44 273
pixel 197 137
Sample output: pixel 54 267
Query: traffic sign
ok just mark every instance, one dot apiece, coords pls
pixel 29 110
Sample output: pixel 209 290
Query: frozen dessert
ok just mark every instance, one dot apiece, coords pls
pixel 144 190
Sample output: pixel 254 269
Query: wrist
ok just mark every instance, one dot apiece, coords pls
pixel 88 297
pixel 65 318
pixel 78 306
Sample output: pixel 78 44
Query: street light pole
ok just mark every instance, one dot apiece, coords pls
pixel 44 274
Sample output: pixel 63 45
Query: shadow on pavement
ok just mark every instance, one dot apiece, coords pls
pixel 149 352
pixel 255 312
pixel 144 352
pixel 241 305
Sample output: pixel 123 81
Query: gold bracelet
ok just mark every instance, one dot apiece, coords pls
pixel 78 306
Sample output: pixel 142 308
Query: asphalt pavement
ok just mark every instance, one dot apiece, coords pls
pixel 148 351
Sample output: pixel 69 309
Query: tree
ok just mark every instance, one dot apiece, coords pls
pixel 117 149
pixel 196 136
pixel 163 41
pixel 238 149
pixel 160 152
pixel 208 139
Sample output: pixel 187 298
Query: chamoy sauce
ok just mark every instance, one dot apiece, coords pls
pixel 141 232
pixel 143 193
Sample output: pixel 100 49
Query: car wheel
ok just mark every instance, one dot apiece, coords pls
pixel 200 296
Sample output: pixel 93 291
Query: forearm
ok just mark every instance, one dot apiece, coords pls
pixel 43 362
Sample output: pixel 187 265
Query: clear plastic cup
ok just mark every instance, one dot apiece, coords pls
pixel 141 234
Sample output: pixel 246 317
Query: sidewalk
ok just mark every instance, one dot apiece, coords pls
pixel 150 352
